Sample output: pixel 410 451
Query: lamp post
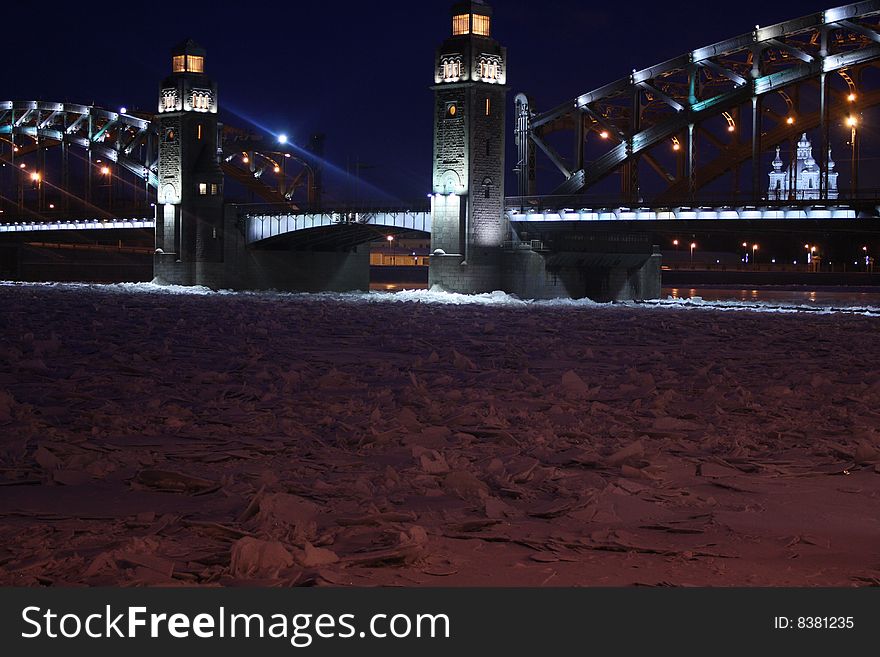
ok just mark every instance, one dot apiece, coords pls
pixel 37 185
pixel 852 122
pixel 108 181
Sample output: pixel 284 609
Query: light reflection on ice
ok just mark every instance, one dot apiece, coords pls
pixel 496 298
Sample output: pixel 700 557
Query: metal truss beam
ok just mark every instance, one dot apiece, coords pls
pixel 689 109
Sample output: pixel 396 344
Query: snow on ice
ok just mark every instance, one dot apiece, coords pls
pixel 167 436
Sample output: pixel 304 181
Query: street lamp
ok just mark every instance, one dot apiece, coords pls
pixel 675 244
pixel 852 122
pixel 108 183
pixel 390 239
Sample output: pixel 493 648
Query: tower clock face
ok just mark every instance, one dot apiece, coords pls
pixel 170 134
pixel 451 110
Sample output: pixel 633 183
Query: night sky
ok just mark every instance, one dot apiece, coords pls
pixel 358 72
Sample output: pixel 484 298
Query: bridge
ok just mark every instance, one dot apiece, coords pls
pixel 690 141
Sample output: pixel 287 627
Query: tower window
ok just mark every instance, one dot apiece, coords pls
pixel 178 64
pixel 169 100
pixel 203 189
pixel 488 108
pixel 451 68
pixel 451 110
pixel 195 64
pixel 490 68
pixel 481 25
pixel 201 100
pixel 214 189
pixel 461 24
pixel 199 132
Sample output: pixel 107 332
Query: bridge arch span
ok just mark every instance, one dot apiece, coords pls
pixel 812 63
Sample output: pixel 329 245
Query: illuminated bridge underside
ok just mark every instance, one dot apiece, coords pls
pixel 676 98
pixel 260 227
pixel 86 224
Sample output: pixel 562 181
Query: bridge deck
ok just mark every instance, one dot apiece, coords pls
pixel 87 224
pixel 262 226
pixel 526 214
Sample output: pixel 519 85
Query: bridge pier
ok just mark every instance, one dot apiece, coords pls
pixel 246 267
pixel 601 275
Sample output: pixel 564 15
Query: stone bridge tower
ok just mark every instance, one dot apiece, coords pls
pixel 189 218
pixel 468 224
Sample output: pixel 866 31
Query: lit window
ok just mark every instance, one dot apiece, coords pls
pixel 195 64
pixel 481 25
pixel 489 69
pixel 488 110
pixel 169 100
pixel 214 189
pixel 199 132
pixel 461 24
pixel 451 69
pixel 177 64
pixel 203 189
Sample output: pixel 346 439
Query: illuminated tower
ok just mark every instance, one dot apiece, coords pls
pixel 468 225
pixel 190 202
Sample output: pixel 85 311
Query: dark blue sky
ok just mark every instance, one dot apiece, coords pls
pixel 357 71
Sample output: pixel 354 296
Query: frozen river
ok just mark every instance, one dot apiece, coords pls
pixel 180 436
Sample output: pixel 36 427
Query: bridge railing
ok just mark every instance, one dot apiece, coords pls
pixel 865 198
pixel 265 209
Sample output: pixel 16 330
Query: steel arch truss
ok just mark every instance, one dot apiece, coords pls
pixel 672 102
pixel 131 141
pixel 120 138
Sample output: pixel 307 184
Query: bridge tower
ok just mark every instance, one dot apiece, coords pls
pixel 189 218
pixel 468 223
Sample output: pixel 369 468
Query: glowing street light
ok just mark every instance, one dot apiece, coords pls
pixel 604 134
pixel 35 176
pixel 105 170
pixel 675 244
pixel 852 121
pixel 731 123
pixel 675 144
pixel 282 138
pixel 851 98
pixel 790 120
pixel 276 169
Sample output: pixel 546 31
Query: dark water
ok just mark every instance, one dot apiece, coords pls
pixel 838 297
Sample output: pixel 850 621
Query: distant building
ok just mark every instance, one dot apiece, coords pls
pixel 805 183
